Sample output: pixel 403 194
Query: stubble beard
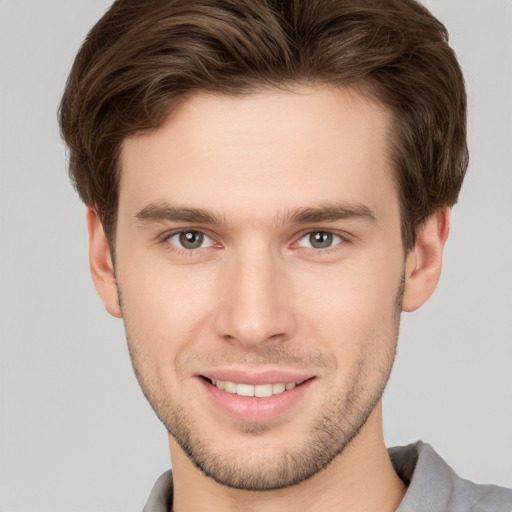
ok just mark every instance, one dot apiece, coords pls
pixel 329 435
pixel 342 420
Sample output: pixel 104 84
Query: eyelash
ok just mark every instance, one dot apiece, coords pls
pixel 165 240
pixel 324 250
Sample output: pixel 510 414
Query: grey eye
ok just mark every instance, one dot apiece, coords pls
pixel 190 240
pixel 320 240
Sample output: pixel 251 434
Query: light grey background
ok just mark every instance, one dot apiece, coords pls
pixel 76 433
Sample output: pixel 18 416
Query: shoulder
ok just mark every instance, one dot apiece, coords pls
pixel 160 499
pixel 435 487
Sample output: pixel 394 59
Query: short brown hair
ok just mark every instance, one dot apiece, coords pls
pixel 144 56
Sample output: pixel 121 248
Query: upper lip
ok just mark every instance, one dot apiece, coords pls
pixel 257 377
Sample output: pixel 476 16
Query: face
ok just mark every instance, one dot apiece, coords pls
pixel 259 266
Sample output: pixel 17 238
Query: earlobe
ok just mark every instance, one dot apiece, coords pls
pixel 100 263
pixel 424 261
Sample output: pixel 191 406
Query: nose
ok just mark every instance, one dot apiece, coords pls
pixel 255 307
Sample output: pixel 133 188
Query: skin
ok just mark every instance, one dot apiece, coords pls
pixel 266 171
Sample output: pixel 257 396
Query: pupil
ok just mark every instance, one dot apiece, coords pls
pixel 320 239
pixel 191 239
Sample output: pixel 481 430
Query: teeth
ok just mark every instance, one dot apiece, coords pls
pixel 278 388
pixel 230 387
pixel 263 390
pixel 260 390
pixel 244 389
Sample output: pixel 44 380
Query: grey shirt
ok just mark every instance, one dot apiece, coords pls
pixel 433 486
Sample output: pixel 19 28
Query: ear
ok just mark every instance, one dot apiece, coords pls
pixel 100 263
pixel 424 261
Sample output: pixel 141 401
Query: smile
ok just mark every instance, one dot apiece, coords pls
pixel 251 397
pixel 258 390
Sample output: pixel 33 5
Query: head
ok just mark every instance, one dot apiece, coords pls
pixel 273 179
pixel 144 57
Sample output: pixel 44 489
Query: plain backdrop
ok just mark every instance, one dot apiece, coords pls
pixel 76 432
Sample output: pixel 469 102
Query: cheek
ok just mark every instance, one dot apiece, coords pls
pixel 352 294
pixel 352 307
pixel 163 306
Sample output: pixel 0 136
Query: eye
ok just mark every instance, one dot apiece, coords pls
pixel 190 240
pixel 320 240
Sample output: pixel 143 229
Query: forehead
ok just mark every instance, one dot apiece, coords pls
pixel 264 149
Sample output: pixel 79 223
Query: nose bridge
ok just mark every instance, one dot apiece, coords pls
pixel 254 309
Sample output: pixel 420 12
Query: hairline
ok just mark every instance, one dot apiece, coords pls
pixel 362 88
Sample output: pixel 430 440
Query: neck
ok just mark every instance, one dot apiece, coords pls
pixel 360 479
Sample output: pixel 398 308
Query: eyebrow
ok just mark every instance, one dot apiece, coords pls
pixel 167 213
pixel 327 212
pixel 331 212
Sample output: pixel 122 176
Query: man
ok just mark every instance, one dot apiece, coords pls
pixel 268 187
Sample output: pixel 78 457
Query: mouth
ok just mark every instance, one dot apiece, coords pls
pixel 253 390
pixel 255 398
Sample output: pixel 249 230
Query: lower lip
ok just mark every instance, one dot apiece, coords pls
pixel 255 409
